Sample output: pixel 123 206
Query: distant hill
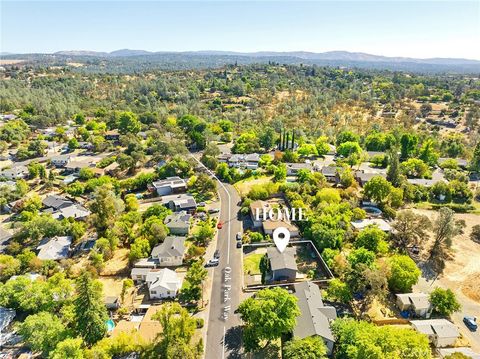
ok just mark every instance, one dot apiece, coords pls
pixel 125 60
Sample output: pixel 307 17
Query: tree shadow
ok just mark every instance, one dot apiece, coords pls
pixel 233 342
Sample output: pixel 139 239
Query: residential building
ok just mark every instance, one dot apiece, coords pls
pixel 440 332
pixel 330 173
pixel 170 252
pixel 417 302
pixel 112 302
pixel 224 157
pixel 55 248
pixel 282 264
pixel 315 317
pixel 77 163
pixel 170 185
pixel 180 202
pixel 258 206
pixel 163 283
pixel 15 172
pixel 112 135
pixel 364 177
pixel 249 161
pixel 269 226
pixel 293 168
pixel 56 202
pixel 422 182
pixel 73 211
pixel 178 223
pixel 60 160
pixel 139 274
pixel 363 223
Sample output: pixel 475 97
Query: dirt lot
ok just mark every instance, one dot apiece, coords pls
pixel 463 271
pixel 118 265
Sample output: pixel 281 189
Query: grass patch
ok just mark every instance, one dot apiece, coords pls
pixel 251 263
pixel 244 186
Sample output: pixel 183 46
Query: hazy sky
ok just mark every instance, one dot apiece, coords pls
pixel 391 28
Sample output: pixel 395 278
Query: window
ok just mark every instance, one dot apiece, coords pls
pixel 153 292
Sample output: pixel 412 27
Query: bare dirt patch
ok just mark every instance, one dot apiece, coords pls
pixel 10 61
pixel 118 265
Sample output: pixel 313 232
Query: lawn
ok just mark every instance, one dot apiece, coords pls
pixel 244 186
pixel 251 263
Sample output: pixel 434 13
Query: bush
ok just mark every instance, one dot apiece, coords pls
pixel 200 323
pixel 444 301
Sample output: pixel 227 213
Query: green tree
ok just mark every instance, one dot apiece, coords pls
pixel 415 168
pixel 408 143
pixel 192 286
pixel 105 207
pixel 9 266
pixel 404 273
pixel 410 229
pixel 373 239
pixel 268 316
pixel 90 312
pixel 322 145
pixel 444 301
pixel 71 348
pixel 42 332
pixel 346 136
pixel 128 123
pixel 347 149
pixel 306 348
pixel 377 189
pixel 73 144
pixel 427 153
pixel 393 171
pixel 280 173
pixel 139 249
pixel 475 162
pixel 339 291
pixel 267 138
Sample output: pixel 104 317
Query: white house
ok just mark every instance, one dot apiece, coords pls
pixel 418 302
pixel 15 172
pixel 170 252
pixel 178 223
pixel 56 248
pixel 363 223
pixel 163 283
pixel 60 160
pixel 440 332
pixel 170 185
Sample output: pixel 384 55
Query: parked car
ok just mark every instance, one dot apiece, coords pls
pixel 212 263
pixel 214 210
pixel 216 254
pixel 219 225
pixel 239 244
pixel 239 236
pixel 471 323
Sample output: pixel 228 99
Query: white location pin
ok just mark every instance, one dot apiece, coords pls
pixel 281 237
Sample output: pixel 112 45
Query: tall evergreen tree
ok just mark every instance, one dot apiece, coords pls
pixel 475 164
pixel 90 312
pixel 393 172
pixel 293 140
pixel 287 141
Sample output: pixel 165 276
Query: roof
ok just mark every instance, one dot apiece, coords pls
pixel 422 181
pixel 258 204
pixel 329 171
pixel 163 278
pixel 172 246
pixel 111 300
pixel 54 248
pixel 284 260
pixel 140 271
pixel 15 170
pixel 464 350
pixel 418 300
pixel 184 200
pixel 314 316
pixel 4 234
pixel 125 326
pixel 271 225
pixel 178 220
pixel 172 182
pixel 365 177
pixel 440 327
pixel 149 330
pixel 75 211
pixel 56 201
pixel 380 223
pixel 299 166
pixel 460 162
pixel 6 317
pixel 60 158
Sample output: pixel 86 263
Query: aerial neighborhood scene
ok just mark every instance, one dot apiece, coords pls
pixel 255 202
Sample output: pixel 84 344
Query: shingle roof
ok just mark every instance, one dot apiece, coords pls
pixel 164 278
pixel 172 182
pixel 441 327
pixel 55 248
pixel 172 246
pixel 178 220
pixel 56 202
pixel 285 260
pixel 315 316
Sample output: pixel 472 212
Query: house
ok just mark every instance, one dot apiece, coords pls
pixel 74 211
pixel 112 302
pixel 422 182
pixel 249 161
pixel 315 317
pixel 178 223
pixel 7 316
pixel 80 162
pixel 163 283
pixel 170 252
pixel 363 223
pixel 293 168
pixel 139 274
pixel 362 177
pixel 282 265
pixel 258 206
pixel 224 157
pixel 467 352
pixel 269 226
pixel 330 173
pixel 112 169
pixel 55 248
pixel 15 172
pixel 418 302
pixel 440 332
pixel 372 154
pixel 180 202
pixel 112 135
pixel 5 237
pixel 56 202
pixel 146 263
pixel 170 185
pixel 8 185
pixel 60 161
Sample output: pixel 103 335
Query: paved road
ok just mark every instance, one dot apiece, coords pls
pixel 223 334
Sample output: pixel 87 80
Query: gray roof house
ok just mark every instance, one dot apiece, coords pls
pixel 178 223
pixel 441 333
pixel 56 202
pixel 170 252
pixel 55 248
pixel 74 211
pixel 180 202
pixel 418 302
pixel 293 168
pixel 282 265
pixel 170 185
pixel 315 317
pixel 15 172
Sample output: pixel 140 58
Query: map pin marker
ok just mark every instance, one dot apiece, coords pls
pixel 281 237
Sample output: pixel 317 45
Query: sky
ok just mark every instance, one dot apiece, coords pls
pixel 420 29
